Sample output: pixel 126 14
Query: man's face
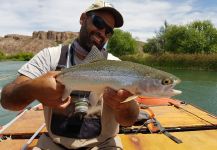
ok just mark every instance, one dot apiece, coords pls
pixel 96 29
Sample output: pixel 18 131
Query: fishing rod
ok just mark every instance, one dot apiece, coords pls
pixel 25 146
pixel 178 107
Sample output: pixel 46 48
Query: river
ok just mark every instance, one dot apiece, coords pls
pixel 199 87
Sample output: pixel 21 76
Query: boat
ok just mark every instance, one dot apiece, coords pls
pixel 166 124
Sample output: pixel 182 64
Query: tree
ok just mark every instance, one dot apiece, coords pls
pixel 196 37
pixel 207 29
pixel 156 44
pixel 122 43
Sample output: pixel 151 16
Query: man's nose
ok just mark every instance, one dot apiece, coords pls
pixel 102 33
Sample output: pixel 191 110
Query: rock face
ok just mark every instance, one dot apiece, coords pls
pixel 14 43
pixel 53 35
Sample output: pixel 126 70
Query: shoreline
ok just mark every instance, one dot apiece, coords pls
pixel 202 62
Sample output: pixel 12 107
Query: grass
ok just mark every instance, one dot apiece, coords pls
pixel 179 61
pixel 21 56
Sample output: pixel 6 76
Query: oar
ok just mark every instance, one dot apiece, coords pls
pixel 179 107
pixel 25 146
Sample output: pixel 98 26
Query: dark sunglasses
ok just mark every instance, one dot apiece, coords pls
pixel 100 24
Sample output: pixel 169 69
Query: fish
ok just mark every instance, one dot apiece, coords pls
pixel 139 79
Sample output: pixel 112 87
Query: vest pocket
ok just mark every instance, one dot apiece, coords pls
pixel 74 127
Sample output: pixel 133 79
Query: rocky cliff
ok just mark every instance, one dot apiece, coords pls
pixel 13 43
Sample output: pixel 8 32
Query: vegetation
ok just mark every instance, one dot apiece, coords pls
pixel 22 56
pixel 122 43
pixel 178 61
pixel 191 46
pixel 196 37
pixel 2 55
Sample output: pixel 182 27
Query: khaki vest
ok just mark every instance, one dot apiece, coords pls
pixel 109 127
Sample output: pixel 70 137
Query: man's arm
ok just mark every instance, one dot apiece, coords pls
pixel 23 90
pixel 125 113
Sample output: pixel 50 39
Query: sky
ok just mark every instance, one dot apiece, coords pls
pixel 142 18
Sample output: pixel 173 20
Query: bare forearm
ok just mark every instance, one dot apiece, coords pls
pixel 17 96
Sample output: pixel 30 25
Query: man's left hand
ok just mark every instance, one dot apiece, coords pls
pixel 125 113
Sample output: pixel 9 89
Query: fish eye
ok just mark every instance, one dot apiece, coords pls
pixel 167 81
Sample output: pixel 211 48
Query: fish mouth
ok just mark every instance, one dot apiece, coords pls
pixel 177 81
pixel 169 93
pixel 176 92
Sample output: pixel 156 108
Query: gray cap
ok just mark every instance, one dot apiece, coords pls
pixel 102 5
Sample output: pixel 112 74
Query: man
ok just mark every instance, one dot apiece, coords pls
pixel 37 81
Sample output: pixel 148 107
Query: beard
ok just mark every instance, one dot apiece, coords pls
pixel 88 39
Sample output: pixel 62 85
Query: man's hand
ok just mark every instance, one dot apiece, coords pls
pixel 125 113
pixel 24 90
pixel 49 91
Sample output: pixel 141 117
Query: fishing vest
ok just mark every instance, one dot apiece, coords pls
pixel 70 131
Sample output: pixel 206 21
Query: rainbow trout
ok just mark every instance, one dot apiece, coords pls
pixel 136 78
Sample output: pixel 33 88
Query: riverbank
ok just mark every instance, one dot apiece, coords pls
pixel 21 56
pixel 167 60
pixel 176 61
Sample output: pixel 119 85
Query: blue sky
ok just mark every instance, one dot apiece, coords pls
pixel 142 17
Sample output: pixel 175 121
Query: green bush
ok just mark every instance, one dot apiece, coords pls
pixel 196 37
pixel 122 43
pixel 2 56
pixel 22 56
pixel 178 61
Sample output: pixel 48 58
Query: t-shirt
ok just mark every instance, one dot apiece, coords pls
pixel 47 60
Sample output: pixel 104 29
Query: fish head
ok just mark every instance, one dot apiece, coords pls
pixel 159 84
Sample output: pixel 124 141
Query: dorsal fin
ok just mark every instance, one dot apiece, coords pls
pixel 94 55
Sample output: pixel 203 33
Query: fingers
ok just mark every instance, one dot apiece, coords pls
pixel 114 98
pixel 109 92
pixel 120 94
pixel 60 86
pixel 65 103
pixel 124 93
pixel 53 73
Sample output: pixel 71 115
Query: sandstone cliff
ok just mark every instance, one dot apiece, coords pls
pixel 13 43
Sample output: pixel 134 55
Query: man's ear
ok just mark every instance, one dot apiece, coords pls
pixel 83 18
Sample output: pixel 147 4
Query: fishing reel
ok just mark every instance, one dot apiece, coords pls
pixel 81 103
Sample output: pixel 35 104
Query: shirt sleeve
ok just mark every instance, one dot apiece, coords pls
pixel 46 60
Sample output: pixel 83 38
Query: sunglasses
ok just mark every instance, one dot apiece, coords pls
pixel 99 23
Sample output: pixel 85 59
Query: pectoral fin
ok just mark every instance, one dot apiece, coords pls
pixel 130 98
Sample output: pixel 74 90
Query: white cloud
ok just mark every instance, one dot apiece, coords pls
pixel 142 17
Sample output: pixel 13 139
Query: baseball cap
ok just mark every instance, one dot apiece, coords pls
pixel 102 5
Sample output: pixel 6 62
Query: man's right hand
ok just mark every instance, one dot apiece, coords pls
pixel 24 90
pixel 49 91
